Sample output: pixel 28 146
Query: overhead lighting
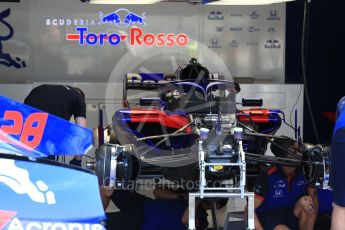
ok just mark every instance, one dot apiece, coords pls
pixel 124 2
pixel 247 2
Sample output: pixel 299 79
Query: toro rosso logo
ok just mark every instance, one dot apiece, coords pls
pixel 136 36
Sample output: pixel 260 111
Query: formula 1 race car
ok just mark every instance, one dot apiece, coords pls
pixel 192 131
pixel 164 129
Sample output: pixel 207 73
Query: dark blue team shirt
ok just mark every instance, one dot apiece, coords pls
pixel 338 156
pixel 278 191
pixel 325 198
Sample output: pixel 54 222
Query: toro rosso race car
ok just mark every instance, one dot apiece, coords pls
pixel 164 129
pixel 159 135
pixel 190 130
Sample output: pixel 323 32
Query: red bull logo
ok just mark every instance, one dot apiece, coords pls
pixel 125 18
pixel 122 18
pixel 136 37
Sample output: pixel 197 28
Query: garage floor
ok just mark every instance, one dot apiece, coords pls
pixel 233 205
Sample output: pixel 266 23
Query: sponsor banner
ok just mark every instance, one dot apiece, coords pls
pixel 272 44
pixel 28 131
pixel 237 14
pixel 273 15
pixel 235 29
pixel 250 32
pixel 14 223
pixel 214 44
pixel 146 78
pixel 219 28
pixel 252 29
pixel 215 15
pixel 254 15
pixel 271 29
pixel 234 44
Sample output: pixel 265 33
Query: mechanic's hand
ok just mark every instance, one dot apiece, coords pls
pixel 105 193
pixel 309 205
pixel 75 162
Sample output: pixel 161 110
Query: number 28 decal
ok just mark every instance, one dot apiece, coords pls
pixel 29 132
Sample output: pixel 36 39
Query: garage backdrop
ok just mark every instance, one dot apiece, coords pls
pixel 245 42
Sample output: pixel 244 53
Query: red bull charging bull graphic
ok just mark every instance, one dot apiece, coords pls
pixel 124 18
pixel 7 32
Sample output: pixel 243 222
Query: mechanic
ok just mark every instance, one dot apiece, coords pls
pixel 338 168
pixel 280 194
pixel 62 101
pixel 169 211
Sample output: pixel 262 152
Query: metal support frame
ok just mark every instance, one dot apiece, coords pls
pixel 193 196
pixel 242 167
pixel 241 163
pixel 236 190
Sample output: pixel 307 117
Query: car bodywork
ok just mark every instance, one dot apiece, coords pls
pixel 39 193
pixel 176 108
